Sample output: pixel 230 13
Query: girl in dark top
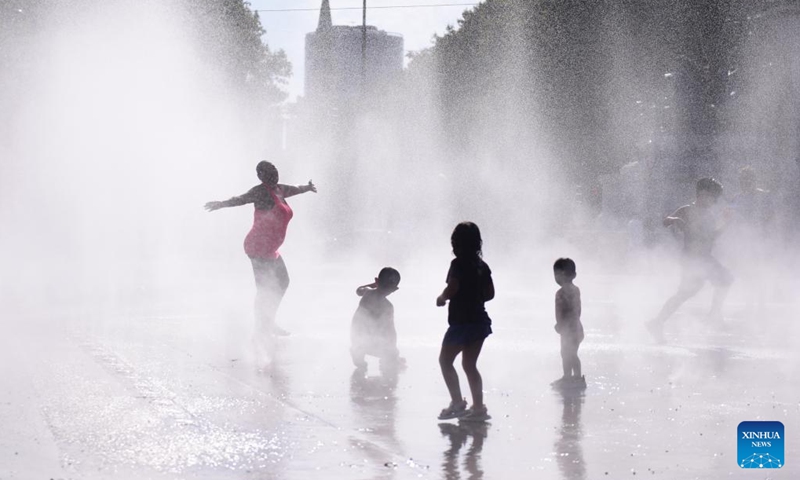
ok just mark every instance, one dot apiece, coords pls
pixel 469 286
pixel 270 221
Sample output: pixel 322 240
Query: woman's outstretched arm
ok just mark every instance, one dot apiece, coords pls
pixel 292 190
pixel 244 199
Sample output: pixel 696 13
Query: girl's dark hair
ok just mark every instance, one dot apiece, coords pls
pixel 466 240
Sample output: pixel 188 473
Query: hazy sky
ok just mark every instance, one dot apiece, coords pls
pixel 287 30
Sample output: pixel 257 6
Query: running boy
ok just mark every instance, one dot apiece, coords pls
pixel 469 286
pixel 568 323
pixel 372 331
pixel 701 224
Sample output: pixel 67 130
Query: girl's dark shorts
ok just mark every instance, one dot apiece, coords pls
pixel 467 333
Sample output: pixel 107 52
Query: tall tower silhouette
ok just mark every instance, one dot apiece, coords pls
pixel 325 21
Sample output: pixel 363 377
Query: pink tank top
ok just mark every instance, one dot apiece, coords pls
pixel 269 229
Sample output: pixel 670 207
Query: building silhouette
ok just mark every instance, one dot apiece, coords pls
pixel 336 73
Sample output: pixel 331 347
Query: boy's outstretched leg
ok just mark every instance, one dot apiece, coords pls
pixel 687 290
pixel 722 280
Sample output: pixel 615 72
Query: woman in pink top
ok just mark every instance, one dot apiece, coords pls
pixel 270 219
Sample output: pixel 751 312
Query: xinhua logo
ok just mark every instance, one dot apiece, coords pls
pixel 760 444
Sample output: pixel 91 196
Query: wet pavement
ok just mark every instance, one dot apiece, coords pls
pixel 163 394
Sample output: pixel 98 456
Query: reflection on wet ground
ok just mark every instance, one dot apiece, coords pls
pixel 170 397
pixel 568 442
pixel 467 464
pixel 374 406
